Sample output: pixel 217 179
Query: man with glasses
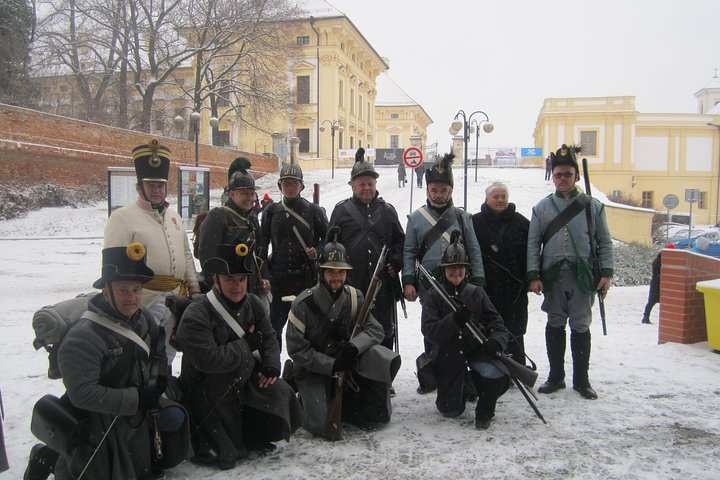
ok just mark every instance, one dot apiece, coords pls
pixel 296 229
pixel 560 228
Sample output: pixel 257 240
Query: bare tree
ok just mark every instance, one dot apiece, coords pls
pixel 242 56
pixel 17 21
pixel 236 48
pixel 78 39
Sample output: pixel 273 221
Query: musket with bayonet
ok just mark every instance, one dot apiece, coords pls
pixel 523 377
pixel 333 423
pixel 593 245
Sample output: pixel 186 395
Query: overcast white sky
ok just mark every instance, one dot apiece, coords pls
pixel 506 57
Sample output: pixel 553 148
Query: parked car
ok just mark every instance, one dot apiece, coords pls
pixel 706 247
pixel 682 241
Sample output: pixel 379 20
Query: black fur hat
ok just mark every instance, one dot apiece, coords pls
pixel 441 172
pixel 362 167
pixel 239 175
pixel 565 155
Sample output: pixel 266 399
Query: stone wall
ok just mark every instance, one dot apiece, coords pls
pixel 36 147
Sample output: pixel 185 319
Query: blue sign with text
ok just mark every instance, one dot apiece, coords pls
pixel 531 152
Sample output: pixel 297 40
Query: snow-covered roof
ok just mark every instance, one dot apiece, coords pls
pixel 713 84
pixel 319 9
pixel 389 93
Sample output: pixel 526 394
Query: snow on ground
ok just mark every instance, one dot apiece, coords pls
pixel 657 415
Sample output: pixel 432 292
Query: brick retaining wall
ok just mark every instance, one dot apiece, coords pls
pixel 682 307
pixel 37 147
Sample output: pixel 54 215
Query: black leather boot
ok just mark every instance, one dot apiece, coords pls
pixel 580 346
pixel 41 463
pixel 489 390
pixel 555 342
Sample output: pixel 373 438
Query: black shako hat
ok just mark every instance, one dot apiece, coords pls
pixel 152 162
pixel 124 263
pixel 565 156
pixel 441 172
pixel 230 260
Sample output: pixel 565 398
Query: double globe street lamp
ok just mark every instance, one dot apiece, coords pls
pixel 335 125
pixel 467 129
pixel 179 123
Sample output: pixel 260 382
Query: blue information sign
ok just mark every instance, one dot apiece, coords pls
pixel 531 152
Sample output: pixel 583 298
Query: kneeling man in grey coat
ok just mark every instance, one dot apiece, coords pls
pixel 231 367
pixel 319 342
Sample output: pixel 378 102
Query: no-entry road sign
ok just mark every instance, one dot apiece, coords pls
pixel 413 157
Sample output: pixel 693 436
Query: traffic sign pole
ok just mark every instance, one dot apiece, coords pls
pixel 413 158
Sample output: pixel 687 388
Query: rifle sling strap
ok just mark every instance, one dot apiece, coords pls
pixel 366 224
pixel 125 332
pixel 565 216
pixel 231 322
pixel 439 228
pixel 284 208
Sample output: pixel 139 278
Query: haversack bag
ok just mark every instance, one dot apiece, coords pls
pixel 587 276
pixel 59 424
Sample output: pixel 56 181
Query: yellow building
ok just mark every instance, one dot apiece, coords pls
pixel 398 117
pixel 336 103
pixel 643 156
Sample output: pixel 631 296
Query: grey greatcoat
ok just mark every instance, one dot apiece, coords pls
pixel 214 358
pixel 87 353
pixel 418 227
pixel 318 322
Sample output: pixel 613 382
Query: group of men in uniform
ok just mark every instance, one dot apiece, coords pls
pixel 232 392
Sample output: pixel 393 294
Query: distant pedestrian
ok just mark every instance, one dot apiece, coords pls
pixel 419 171
pixel 402 175
pixel 654 293
pixel 266 201
pixel 548 168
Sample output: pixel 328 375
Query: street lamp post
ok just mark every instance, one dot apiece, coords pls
pixel 466 129
pixel 335 125
pixel 179 123
pixel 477 138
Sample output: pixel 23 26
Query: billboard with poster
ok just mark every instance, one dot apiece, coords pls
pixel 194 191
pixel 121 187
pixel 505 156
pixel 388 156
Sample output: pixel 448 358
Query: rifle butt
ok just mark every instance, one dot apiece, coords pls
pixel 333 424
pixel 524 374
